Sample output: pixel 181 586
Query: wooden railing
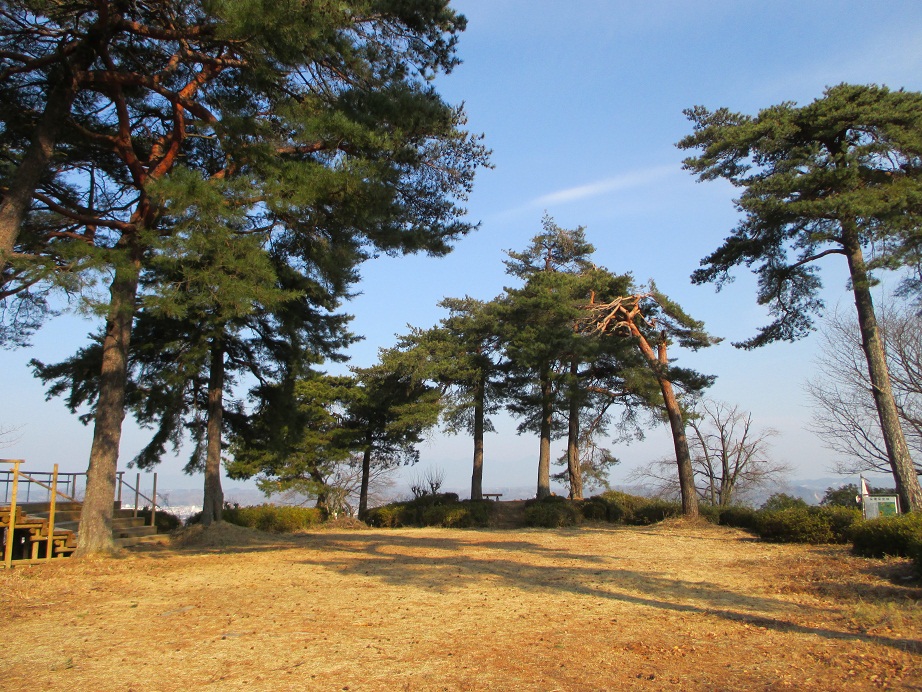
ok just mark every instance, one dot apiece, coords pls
pixel 69 485
pixel 12 518
pixel 138 495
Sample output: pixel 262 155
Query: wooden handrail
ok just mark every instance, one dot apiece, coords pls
pixel 54 490
pixel 10 524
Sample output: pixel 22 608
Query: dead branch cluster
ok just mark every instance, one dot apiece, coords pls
pixel 616 315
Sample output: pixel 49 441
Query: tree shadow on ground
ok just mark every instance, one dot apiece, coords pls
pixel 457 560
pixel 468 563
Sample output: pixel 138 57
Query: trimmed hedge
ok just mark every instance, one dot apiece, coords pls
pixel 552 512
pixel 738 516
pixel 441 509
pixel 273 518
pixel 807 524
pixel 896 536
pixel 632 509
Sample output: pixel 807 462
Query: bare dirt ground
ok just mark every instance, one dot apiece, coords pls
pixel 594 608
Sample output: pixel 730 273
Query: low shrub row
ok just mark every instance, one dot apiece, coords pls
pixel 439 509
pixel 806 524
pixel 613 506
pixel 552 512
pixel 273 518
pixel 895 536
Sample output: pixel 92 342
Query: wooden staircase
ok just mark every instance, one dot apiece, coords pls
pixel 33 522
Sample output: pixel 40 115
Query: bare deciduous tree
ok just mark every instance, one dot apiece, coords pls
pixel 338 495
pixel 9 435
pixel 844 415
pixel 730 456
pixel 428 483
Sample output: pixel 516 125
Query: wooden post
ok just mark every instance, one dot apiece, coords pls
pixel 51 508
pixel 137 485
pixel 11 527
pixel 120 481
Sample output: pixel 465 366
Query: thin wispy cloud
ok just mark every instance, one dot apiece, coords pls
pixel 624 181
pixel 619 183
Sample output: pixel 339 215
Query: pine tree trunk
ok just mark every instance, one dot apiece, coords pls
pixel 95 533
pixel 574 472
pixel 214 495
pixel 34 165
pixel 477 474
pixel 544 453
pixel 323 497
pixel 904 474
pixel 676 422
pixel 683 458
pixel 366 474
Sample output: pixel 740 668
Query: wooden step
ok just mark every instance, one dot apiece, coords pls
pixel 128 541
pixel 33 524
pixel 125 522
pixel 130 531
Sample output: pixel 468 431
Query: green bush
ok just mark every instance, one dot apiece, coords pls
pixel 386 516
pixel 655 511
pixel 709 512
pixel 273 518
pixel 552 512
pixel 594 509
pixel 621 506
pixel 460 515
pixel 780 501
pixel 165 521
pixel 841 521
pixel 738 516
pixel 793 525
pixel 443 509
pixel 807 524
pixel 887 535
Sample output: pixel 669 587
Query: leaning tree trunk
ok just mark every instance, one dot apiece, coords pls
pixel 477 474
pixel 544 453
pixel 214 495
pixel 904 474
pixel 659 361
pixel 574 472
pixel 95 533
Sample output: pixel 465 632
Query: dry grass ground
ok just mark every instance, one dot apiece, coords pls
pixel 598 608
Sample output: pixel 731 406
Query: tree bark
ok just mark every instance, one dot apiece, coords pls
pixel 477 474
pixel 659 361
pixel 95 533
pixel 574 472
pixel 366 474
pixel 544 452
pixel 214 495
pixel 904 475
pixel 29 172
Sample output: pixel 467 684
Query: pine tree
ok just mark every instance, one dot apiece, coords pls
pixel 839 176
pixel 462 357
pixel 652 321
pixel 325 112
pixel 540 336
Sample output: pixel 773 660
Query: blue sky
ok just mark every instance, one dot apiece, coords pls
pixel 582 104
